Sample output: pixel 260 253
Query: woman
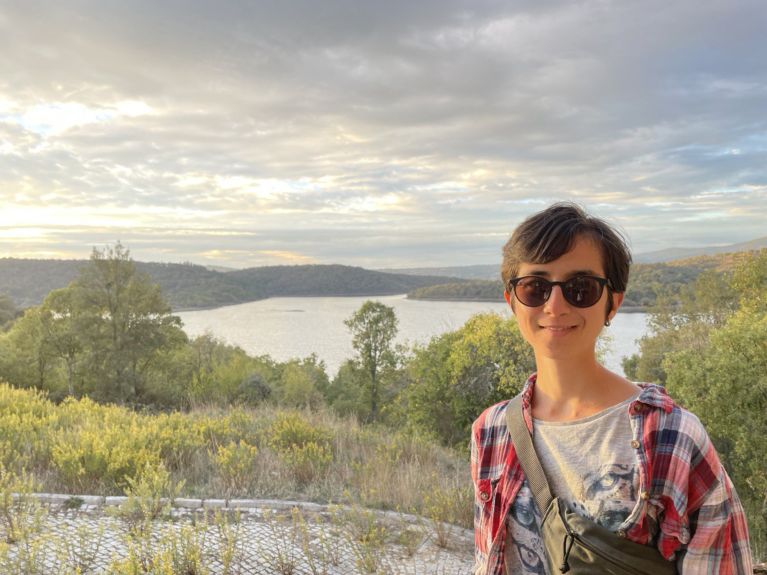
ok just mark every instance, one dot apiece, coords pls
pixel 623 456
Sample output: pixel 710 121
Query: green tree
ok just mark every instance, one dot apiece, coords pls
pixel 682 318
pixel 26 360
pixel 458 374
pixel 124 323
pixel 61 335
pixel 300 384
pixel 8 311
pixel 373 328
pixel 710 351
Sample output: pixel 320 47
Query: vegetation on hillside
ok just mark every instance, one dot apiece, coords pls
pixel 709 348
pixel 80 446
pixel 647 283
pixel 188 286
pixel 108 343
pixel 329 280
pixel 474 290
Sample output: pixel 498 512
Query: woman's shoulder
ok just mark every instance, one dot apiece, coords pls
pixel 493 416
pixel 670 422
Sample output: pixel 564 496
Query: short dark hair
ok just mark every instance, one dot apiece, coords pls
pixel 547 235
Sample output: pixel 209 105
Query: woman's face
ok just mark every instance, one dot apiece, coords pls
pixel 557 329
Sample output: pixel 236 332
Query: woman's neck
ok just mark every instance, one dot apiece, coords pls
pixel 567 390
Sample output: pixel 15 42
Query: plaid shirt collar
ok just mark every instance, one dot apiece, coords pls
pixel 652 395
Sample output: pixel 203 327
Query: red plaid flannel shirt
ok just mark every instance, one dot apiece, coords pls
pixel 690 510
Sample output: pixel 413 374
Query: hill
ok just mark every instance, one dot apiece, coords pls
pixel 190 286
pixel 674 254
pixel 474 272
pixel 473 290
pixel 330 280
pixel 644 283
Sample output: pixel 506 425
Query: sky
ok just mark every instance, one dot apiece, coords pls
pixel 378 134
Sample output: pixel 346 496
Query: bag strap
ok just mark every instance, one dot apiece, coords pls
pixel 531 465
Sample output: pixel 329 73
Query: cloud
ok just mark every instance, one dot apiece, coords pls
pixel 360 132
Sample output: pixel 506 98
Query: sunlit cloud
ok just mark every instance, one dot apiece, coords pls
pixel 419 134
pixel 57 117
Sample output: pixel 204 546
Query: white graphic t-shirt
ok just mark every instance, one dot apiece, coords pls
pixel 591 466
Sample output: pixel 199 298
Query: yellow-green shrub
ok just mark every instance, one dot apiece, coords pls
pixel 307 461
pixel 290 429
pixel 97 455
pixel 235 463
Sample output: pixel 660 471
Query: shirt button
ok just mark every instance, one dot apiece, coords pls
pixel 621 533
pixel 484 496
pixel 638 407
pixel 635 444
pixel 644 495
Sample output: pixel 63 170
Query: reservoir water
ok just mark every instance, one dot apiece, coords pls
pixel 285 328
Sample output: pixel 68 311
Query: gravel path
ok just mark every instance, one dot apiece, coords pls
pixel 239 537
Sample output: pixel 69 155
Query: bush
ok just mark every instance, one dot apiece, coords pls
pixel 291 430
pixel 307 461
pixel 235 463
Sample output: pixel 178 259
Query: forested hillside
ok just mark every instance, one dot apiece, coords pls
pixel 646 283
pixel 189 286
pixel 329 280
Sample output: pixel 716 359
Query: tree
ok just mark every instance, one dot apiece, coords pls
pixel 124 322
pixel 61 334
pixel 373 328
pixel 26 360
pixel 711 353
pixel 8 311
pixel 460 373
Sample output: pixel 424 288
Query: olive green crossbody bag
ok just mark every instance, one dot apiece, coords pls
pixel 573 543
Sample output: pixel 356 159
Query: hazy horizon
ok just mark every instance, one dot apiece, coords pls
pixel 396 135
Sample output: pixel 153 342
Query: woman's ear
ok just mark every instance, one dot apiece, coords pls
pixel 616 299
pixel 507 297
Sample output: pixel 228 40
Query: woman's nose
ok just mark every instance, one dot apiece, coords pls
pixel 556 304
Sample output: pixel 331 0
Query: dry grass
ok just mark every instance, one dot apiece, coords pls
pixel 309 455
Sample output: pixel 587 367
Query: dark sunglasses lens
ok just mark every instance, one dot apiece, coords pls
pixel 582 291
pixel 532 291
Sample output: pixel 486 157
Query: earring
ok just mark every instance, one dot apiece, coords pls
pixel 607 323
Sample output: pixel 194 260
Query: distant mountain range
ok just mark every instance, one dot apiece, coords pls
pixel 474 272
pixel 670 254
pixel 189 286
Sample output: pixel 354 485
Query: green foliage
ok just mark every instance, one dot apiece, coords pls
pixel 123 321
pixel 307 462
pixel 150 495
pixel 236 462
pixel 291 430
pixel 458 374
pixel 373 328
pixel 710 350
pixel 301 384
pixel 474 290
pixel 100 336
pixel 8 311
pixel 447 508
pixel 95 451
pixel 346 394
pixel 21 515
pixel 25 359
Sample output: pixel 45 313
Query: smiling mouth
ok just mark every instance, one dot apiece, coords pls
pixel 558 328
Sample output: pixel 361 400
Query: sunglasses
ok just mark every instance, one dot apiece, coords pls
pixel 578 291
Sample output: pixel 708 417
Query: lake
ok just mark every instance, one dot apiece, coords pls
pixel 285 328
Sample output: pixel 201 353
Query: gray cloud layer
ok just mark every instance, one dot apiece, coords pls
pixel 379 134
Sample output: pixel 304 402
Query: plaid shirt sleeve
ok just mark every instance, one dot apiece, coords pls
pixel 718 532
pixel 702 523
pixel 480 553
